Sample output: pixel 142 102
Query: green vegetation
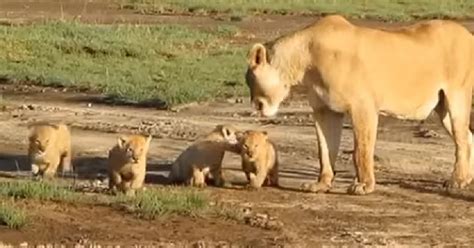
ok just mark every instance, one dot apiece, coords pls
pixel 11 216
pixel 150 204
pixel 35 190
pixel 393 10
pixel 166 63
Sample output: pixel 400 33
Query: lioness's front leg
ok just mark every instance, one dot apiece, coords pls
pixel 328 130
pixel 458 107
pixel 364 121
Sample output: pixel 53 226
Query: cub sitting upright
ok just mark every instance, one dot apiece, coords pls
pixel 199 175
pixel 259 158
pixel 205 154
pixel 127 163
pixel 49 146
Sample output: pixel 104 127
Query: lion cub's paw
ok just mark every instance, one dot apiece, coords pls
pixel 360 189
pixel 318 187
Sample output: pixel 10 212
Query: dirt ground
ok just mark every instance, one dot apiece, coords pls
pixel 409 206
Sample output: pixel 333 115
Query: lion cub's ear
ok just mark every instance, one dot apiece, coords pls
pixel 121 141
pixel 257 55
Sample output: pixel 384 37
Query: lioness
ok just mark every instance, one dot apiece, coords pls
pixel 127 163
pixel 365 72
pixel 259 158
pixel 207 151
pixel 49 146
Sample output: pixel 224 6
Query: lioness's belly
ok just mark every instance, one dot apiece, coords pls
pixel 395 103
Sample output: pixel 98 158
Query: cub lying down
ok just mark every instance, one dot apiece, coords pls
pixel 49 146
pixel 205 156
pixel 127 163
pixel 259 158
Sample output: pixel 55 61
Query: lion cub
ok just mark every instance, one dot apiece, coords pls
pixel 205 154
pixel 127 163
pixel 49 146
pixel 199 175
pixel 259 158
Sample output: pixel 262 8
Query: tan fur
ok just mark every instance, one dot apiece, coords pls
pixel 198 177
pixel 364 72
pixel 127 163
pixel 207 151
pixel 259 159
pixel 49 146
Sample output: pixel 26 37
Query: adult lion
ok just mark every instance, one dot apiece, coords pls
pixel 365 72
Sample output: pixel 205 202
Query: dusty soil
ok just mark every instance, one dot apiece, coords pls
pixel 409 206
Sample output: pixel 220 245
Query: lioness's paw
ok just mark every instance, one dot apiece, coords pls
pixel 360 189
pixel 456 183
pixel 318 187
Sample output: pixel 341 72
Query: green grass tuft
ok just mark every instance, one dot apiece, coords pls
pixel 133 63
pixel 12 217
pixel 35 190
pixel 154 203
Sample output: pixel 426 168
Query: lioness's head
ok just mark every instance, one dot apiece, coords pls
pixel 228 132
pixel 253 143
pixel 267 90
pixel 135 147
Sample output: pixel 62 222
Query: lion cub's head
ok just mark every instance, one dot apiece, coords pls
pixel 267 90
pixel 135 147
pixel 253 144
pixel 41 138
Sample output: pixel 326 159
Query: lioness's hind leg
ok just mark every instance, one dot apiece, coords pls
pixel 328 129
pixel 458 105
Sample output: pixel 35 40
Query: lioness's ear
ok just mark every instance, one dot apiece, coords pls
pixel 121 141
pixel 257 55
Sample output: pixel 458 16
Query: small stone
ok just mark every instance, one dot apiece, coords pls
pixel 89 105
